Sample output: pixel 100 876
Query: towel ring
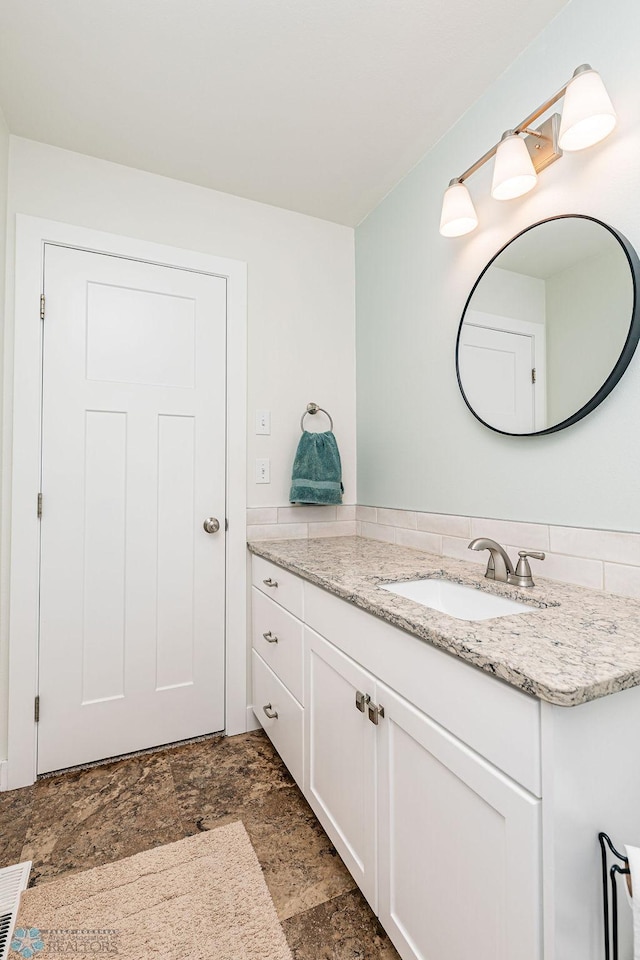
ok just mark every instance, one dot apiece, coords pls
pixel 313 408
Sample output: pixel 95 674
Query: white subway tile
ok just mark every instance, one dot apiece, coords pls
pixel 534 536
pixel 622 579
pixel 451 526
pixel 278 531
pixel 419 540
pixel 306 513
pixel 599 544
pixel 346 511
pixel 459 550
pixel 359 528
pixel 376 531
pixel 335 528
pixel 578 570
pixel 366 513
pixel 397 518
pixel 262 515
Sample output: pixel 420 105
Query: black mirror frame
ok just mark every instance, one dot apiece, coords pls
pixel 628 349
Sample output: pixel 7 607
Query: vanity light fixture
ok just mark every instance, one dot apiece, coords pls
pixel 588 116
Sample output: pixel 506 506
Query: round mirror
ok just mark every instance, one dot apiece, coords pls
pixel 550 326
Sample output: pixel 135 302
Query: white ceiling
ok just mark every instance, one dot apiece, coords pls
pixel 319 106
pixel 557 245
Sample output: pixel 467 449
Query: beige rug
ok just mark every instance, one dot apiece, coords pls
pixel 203 898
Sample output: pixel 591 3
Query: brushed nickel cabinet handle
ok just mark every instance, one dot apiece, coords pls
pixel 362 699
pixel 375 711
pixel 270 583
pixel 272 714
pixel 270 637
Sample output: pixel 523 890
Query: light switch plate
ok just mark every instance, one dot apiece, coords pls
pixel 263 470
pixel 263 422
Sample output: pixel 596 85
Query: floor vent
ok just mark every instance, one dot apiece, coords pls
pixel 13 880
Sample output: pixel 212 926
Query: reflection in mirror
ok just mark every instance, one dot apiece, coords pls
pixel 550 326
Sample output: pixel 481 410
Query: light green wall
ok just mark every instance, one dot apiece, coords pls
pixel 4 609
pixel 418 445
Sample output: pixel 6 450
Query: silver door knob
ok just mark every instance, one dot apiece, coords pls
pixel 211 525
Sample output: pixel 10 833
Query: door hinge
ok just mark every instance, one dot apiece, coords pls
pixel 36 709
pixel 39 506
pixel 533 374
pixel 42 306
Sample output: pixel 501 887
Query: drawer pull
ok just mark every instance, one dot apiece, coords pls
pixel 270 637
pixel 375 711
pixel 270 583
pixel 272 714
pixel 361 700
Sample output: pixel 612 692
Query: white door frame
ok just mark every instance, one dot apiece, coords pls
pixel 31 235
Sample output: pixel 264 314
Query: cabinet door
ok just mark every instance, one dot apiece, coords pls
pixel 458 846
pixel 340 754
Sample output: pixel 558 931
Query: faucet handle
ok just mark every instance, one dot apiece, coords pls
pixel 522 576
pixel 536 554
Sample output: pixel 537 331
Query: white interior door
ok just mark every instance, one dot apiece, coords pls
pixel 133 461
pixel 495 369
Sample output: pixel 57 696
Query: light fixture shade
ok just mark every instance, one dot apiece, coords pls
pixel 513 170
pixel 587 115
pixel 458 213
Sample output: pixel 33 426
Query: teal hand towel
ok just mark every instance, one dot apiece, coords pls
pixel 317 471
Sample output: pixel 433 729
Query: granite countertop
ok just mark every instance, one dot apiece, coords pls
pixel 575 645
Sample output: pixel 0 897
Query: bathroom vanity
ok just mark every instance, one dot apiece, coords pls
pixel 462 769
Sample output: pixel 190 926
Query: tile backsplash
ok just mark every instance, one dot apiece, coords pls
pixel 600 559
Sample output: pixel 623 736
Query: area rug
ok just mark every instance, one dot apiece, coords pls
pixel 203 898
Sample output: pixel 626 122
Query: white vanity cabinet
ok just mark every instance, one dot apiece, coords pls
pixel 444 845
pixel 340 751
pixel 458 845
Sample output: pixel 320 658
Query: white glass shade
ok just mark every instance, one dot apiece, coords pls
pixel 513 170
pixel 458 213
pixel 587 115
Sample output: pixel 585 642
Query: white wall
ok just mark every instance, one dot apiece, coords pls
pixel 301 294
pixel 418 446
pixel 506 293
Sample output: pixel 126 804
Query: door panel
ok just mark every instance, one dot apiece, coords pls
pixel 132 588
pixel 340 756
pixel 495 368
pixel 458 846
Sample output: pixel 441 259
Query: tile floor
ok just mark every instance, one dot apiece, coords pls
pixel 85 818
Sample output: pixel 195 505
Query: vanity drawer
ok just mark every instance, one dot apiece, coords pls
pixel 278 584
pixel 286 730
pixel 278 638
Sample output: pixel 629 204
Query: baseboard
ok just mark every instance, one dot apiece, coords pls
pixel 4 775
pixel 252 723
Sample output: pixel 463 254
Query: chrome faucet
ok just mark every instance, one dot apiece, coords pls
pixel 500 567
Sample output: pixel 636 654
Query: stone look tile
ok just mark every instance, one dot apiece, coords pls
pixel 418 540
pixel 397 518
pixel 622 579
pixel 345 928
pixel 366 513
pixel 89 817
pixel 337 528
pixel 584 573
pixel 534 536
pixel 306 513
pixel 598 544
pixel 346 511
pixel 15 816
pixel 257 515
pixel 459 549
pixel 376 531
pixel 444 524
pixel 215 779
pixel 278 531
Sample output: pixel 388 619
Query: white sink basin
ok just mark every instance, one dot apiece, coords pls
pixel 456 600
